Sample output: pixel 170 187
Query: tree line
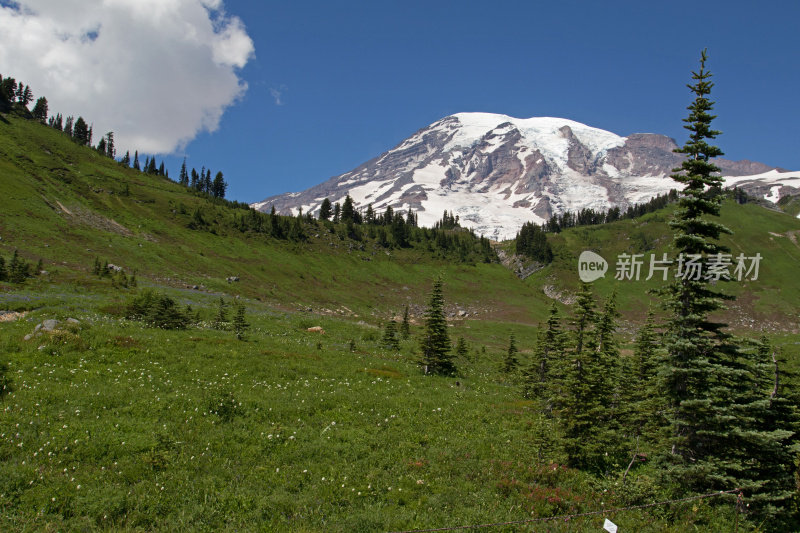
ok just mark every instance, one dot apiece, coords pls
pixel 15 94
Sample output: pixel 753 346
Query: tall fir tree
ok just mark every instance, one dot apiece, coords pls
pixel 240 325
pixel 221 318
pixel 80 132
pixel 39 111
pixel 218 186
pixel 325 210
pixel 111 150
pixel 390 341
pixel 136 165
pixel 510 362
pixel 183 177
pixel 585 407
pixel 405 325
pixel 436 349
pixel 642 404
pixel 543 377
pixel 701 363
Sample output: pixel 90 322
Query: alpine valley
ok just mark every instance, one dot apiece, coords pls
pixel 496 172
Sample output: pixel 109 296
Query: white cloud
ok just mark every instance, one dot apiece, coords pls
pixel 277 94
pixel 156 72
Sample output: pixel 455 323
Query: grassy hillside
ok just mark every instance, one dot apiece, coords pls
pixel 112 425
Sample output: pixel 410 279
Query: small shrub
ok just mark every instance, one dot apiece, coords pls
pixel 156 310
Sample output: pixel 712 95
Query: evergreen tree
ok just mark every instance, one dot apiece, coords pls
pixel 3 271
pixel 240 325
pixel 27 96
pixel 221 318
pixel 700 365
pixel 510 362
pixel 136 165
pixel 461 348
pixel 347 214
pixel 183 177
pixel 101 146
pixel 40 110
pixel 80 132
pixel 207 183
pixel 543 377
pixel 68 126
pixel 195 180
pixel 325 211
pixel 58 122
pixel 337 212
pixel 390 340
pixel 218 186
pixel 126 159
pixel 18 269
pixel 5 381
pixel 436 356
pixel 111 150
pixel 161 170
pixel 151 167
pixel 583 409
pixel 774 444
pixel 641 399
pixel 405 325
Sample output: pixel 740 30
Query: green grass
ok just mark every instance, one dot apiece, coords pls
pixel 116 426
pixel 119 426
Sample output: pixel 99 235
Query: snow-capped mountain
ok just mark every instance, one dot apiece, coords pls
pixel 496 172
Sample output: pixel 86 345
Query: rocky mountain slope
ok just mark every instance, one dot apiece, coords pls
pixel 497 172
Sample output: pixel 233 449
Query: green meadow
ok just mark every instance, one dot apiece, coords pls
pixel 113 425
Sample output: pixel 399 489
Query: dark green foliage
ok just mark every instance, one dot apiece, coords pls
pixel 240 324
pixel 5 380
pixel 772 446
pixel 587 403
pixel 156 310
pixel 80 132
pixel 325 211
pixel 448 221
pixel 642 406
pixel 435 345
pixel 405 325
pixel 218 186
pixel 39 111
pixel 543 377
pixel 348 212
pixel 221 318
pixel 136 165
pixel 111 150
pixel 390 341
pixel 532 242
pixel 590 217
pixel 183 177
pixel 461 348
pixel 56 122
pixel 701 361
pixel 510 362
pixel 8 89
pixel 18 269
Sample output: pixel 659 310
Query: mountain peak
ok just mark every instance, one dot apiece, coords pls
pixel 497 172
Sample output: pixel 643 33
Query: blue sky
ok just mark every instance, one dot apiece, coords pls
pixel 333 84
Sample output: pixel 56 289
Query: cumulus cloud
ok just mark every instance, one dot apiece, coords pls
pixel 156 72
